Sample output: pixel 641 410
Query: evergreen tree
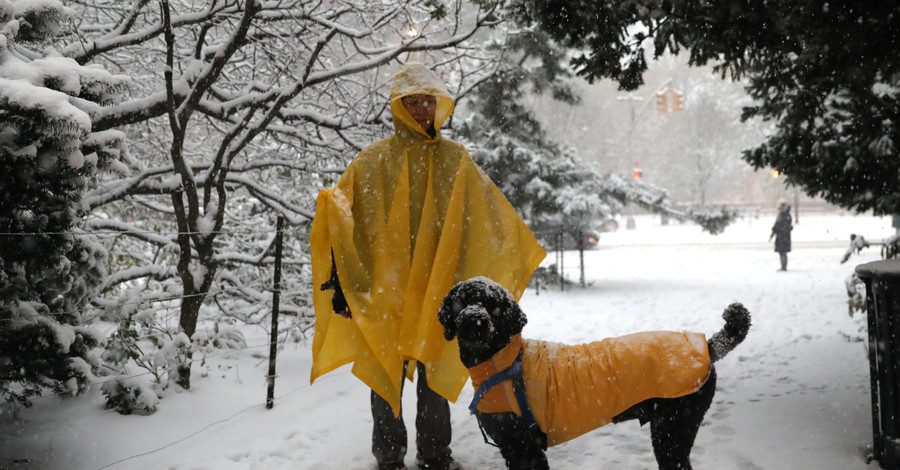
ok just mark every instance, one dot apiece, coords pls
pixel 826 72
pixel 547 182
pixel 48 269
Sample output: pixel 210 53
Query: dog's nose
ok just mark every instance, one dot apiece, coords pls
pixel 473 323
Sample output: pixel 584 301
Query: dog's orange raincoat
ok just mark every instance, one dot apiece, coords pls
pixel 411 216
pixel 574 389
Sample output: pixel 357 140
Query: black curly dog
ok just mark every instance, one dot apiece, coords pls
pixel 484 316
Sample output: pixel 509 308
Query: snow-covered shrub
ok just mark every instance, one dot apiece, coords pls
pixel 48 155
pixel 147 348
pixel 545 277
pixel 38 352
pixel 144 339
pixel 130 396
pixel 856 288
pixel 228 338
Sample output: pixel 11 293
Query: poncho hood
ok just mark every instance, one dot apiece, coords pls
pixel 574 389
pixel 410 217
pixel 415 79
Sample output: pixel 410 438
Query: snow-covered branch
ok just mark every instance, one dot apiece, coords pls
pixel 122 37
pixel 155 272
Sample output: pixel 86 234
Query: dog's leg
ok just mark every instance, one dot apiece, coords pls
pixel 675 424
pixel 520 448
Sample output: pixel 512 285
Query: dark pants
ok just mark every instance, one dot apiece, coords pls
pixel 782 255
pixel 432 427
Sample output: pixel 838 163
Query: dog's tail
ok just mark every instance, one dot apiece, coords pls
pixel 737 323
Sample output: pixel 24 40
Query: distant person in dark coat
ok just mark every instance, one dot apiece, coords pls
pixel 782 233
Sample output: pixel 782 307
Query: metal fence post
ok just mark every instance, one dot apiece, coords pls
pixel 276 296
pixel 560 253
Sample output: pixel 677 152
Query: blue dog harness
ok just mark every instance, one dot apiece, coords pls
pixel 513 373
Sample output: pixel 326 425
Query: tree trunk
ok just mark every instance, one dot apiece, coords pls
pixel 190 311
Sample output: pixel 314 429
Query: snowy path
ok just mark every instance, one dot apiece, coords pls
pixel 794 395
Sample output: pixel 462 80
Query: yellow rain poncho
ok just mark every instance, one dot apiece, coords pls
pixel 575 389
pixel 411 216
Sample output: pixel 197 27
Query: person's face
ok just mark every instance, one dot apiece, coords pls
pixel 421 108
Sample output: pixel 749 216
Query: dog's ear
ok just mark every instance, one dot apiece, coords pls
pixel 447 314
pixel 512 317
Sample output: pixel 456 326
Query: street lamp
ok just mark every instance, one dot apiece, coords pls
pixel 775 174
pixel 629 220
pixel 662 100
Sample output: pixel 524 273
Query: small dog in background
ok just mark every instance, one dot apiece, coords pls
pixel 531 394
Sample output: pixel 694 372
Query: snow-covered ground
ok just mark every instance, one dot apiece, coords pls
pixel 794 395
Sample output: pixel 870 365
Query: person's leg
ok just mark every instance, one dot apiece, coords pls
pixel 388 433
pixel 783 257
pixel 433 433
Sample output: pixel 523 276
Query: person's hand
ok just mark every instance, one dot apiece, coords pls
pixel 339 304
pixel 338 301
pixel 770 237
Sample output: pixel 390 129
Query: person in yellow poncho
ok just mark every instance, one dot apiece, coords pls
pixel 411 216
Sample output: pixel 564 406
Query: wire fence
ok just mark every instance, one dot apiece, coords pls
pixel 121 377
pixel 152 300
pixel 204 428
pixel 137 232
pixel 274 288
pixel 116 304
